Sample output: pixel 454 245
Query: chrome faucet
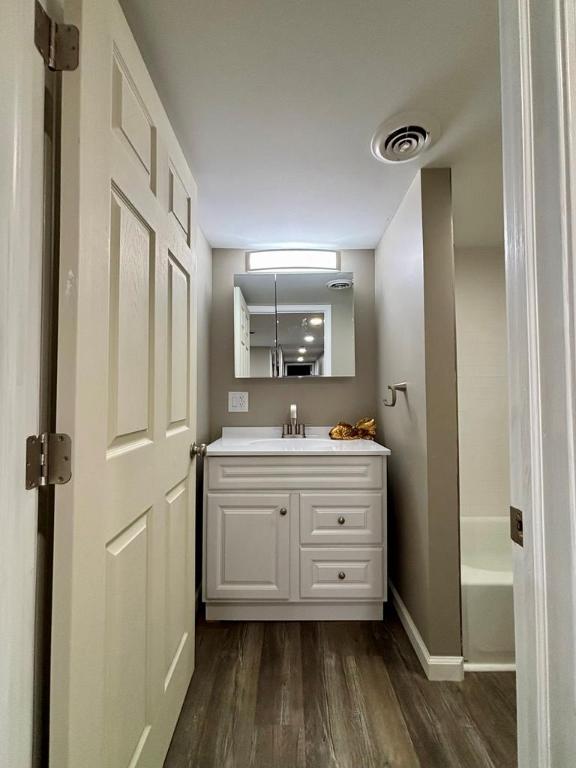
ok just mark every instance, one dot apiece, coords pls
pixel 294 418
pixel 293 429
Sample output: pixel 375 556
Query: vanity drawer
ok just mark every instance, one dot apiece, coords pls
pixel 237 473
pixel 341 573
pixel 340 518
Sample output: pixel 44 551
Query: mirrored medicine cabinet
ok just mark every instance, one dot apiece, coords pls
pixel 294 324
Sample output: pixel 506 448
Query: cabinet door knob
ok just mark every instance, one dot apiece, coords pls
pixel 341 575
pixel 341 520
pixel 283 511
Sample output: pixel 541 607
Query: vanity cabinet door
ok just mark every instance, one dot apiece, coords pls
pixel 247 541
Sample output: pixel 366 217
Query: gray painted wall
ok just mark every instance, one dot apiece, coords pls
pixel 414 278
pixel 320 401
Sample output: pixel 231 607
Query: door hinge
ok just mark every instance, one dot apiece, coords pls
pixel 516 526
pixel 59 44
pixel 48 459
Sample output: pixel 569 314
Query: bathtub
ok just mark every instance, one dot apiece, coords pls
pixel 487 599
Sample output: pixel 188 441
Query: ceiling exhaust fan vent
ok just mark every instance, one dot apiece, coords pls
pixel 340 284
pixel 403 138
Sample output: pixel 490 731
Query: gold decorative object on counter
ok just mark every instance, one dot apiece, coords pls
pixel 365 429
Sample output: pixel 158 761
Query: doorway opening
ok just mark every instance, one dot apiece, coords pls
pixel 484 478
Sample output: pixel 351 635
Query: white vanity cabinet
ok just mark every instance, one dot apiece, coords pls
pixel 293 533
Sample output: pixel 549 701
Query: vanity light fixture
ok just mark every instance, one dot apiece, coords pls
pixel 297 260
pixel 302 350
pixel 309 339
pixel 316 321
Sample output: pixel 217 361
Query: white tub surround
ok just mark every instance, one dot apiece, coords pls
pixel 294 529
pixel 487 594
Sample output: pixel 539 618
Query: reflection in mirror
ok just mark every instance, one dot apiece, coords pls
pixel 315 324
pixel 294 324
pixel 302 344
pixel 254 326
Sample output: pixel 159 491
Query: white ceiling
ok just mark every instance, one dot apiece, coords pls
pixel 275 103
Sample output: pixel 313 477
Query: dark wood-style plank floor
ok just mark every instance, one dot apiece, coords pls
pixel 335 695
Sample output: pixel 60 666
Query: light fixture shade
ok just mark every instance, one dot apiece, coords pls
pixel 299 260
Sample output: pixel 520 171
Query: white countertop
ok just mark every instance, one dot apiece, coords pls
pixel 268 441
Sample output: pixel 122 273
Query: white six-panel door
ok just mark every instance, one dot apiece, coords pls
pixel 241 335
pixel 123 636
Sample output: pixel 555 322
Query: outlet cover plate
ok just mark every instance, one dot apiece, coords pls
pixel 237 402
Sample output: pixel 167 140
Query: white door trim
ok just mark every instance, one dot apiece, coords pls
pixel 21 168
pixel 537 55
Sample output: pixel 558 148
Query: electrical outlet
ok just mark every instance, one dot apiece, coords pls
pixel 237 402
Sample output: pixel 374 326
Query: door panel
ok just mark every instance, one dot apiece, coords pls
pixel 131 324
pixel 248 537
pixel 178 343
pixel 179 202
pixel 123 632
pixel 130 116
pixel 177 575
pixel 127 717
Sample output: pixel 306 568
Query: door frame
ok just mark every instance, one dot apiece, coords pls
pixel 538 71
pixel 21 172
pixel 532 45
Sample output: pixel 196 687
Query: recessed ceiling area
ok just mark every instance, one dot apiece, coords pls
pixel 275 103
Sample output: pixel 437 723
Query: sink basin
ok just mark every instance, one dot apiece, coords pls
pixel 282 444
pixel 267 441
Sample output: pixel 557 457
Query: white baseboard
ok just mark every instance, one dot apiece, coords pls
pixel 486 666
pixel 435 667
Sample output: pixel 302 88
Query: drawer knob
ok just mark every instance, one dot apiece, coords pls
pixel 341 520
pixel 341 575
pixel 283 511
